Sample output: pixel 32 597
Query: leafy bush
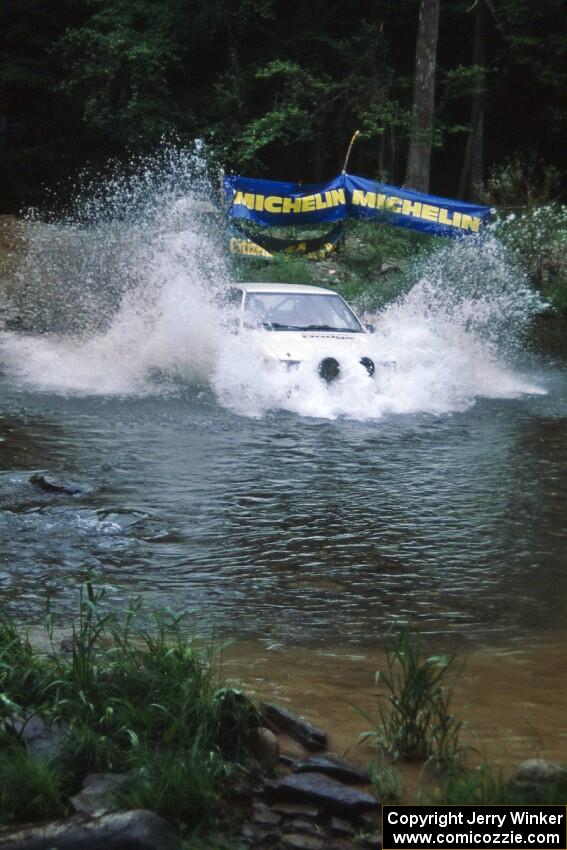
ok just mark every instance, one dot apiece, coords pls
pixel 539 238
pixel 522 180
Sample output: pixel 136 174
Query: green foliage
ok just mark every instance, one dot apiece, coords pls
pixel 136 697
pixel 272 87
pixel 178 786
pixel 29 789
pixel 414 720
pixel 118 65
pixel 523 181
pixel 538 236
pixel 19 670
pixel 385 780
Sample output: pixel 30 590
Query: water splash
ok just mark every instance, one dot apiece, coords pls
pixel 453 338
pixel 124 290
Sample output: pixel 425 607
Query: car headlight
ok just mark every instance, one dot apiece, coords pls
pixel 368 365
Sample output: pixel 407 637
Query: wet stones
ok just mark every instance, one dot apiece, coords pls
pixel 321 790
pixel 298 841
pixel 136 830
pixel 263 746
pixel 297 727
pixel 334 767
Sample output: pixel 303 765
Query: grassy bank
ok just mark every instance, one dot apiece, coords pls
pixel 133 695
pixel 375 263
pixel 139 700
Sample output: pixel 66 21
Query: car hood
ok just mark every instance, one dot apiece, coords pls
pixel 306 345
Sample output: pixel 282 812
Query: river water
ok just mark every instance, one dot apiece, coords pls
pixel 295 520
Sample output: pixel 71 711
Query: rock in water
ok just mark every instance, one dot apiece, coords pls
pixel 535 775
pixel 136 830
pixel 298 728
pixel 46 484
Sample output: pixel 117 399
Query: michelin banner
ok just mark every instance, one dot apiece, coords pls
pixel 245 243
pixel 274 204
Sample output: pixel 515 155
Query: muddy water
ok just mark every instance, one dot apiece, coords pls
pixel 296 522
pixel 301 539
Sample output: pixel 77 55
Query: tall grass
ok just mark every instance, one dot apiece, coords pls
pixel 414 717
pixel 29 789
pixel 137 696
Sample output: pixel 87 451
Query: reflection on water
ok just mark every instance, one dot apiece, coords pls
pixel 289 530
pixel 308 523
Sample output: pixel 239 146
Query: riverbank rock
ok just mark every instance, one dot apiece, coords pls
pixel 334 767
pixel 263 746
pixel 538 774
pixel 96 797
pixel 297 727
pixel 42 739
pixel 322 791
pixel 136 830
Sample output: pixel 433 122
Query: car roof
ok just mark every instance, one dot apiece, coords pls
pixel 284 287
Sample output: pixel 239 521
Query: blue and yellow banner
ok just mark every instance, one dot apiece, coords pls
pixel 274 203
pixel 246 243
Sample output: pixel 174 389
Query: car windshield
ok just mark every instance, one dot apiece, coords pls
pixel 298 311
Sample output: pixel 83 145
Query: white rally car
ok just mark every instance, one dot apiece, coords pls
pixel 292 325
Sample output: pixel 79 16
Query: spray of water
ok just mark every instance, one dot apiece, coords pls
pixel 125 291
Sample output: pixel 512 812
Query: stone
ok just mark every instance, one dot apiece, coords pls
pixel 302 825
pixel 264 816
pixel 97 795
pixel 135 830
pixel 321 790
pixel 48 485
pixel 539 772
pixel 369 821
pixel 339 844
pixel 290 747
pixel 332 766
pixel 342 827
pixel 263 746
pixel 42 739
pixel 292 809
pixel 254 834
pixel 310 736
pixel 302 842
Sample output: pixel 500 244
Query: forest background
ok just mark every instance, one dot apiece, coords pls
pixel 276 89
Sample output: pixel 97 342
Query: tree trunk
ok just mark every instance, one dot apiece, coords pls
pixel 472 174
pixel 419 156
